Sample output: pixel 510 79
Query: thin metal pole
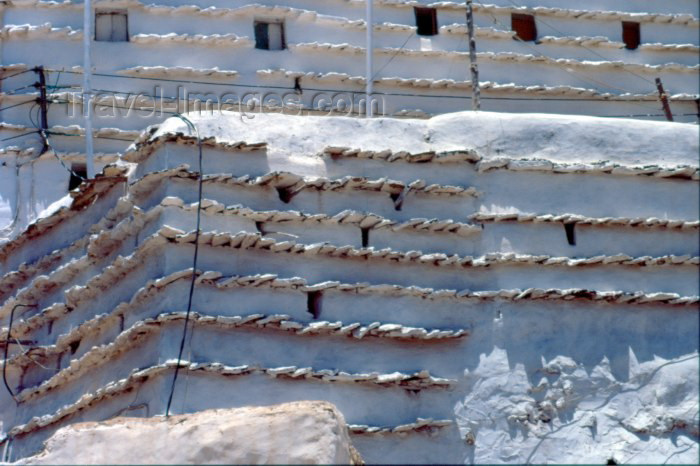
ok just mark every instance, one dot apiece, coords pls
pixel 664 100
pixel 476 91
pixel 87 87
pixel 42 104
pixel 370 58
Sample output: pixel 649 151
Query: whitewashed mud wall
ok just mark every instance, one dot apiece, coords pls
pixel 416 273
pixel 204 50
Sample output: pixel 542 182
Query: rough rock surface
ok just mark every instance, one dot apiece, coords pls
pixel 292 433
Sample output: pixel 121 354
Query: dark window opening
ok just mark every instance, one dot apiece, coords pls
pixel 426 21
pixel 111 26
pixel 313 303
pixel 570 233
pixel 365 237
pixel 260 226
pixel 78 174
pixel 631 35
pixel 524 26
pixel 269 35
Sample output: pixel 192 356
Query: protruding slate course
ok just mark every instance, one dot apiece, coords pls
pixel 442 292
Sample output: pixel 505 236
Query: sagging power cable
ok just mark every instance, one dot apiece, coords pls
pixel 16 74
pixel 7 347
pixel 47 142
pixel 565 69
pixel 17 105
pixel 563 34
pixel 19 135
pixel 44 132
pixel 291 89
pixel 194 129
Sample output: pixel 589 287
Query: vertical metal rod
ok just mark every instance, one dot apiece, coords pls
pixel 370 58
pixel 476 91
pixel 42 104
pixel 664 99
pixel 87 87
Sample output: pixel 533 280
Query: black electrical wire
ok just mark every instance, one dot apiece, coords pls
pixel 56 133
pixel 19 135
pixel 647 115
pixel 14 91
pixel 459 97
pixel 55 85
pixel 390 94
pixel 16 74
pixel 566 69
pixel 393 56
pixel 408 95
pixel 47 143
pixel 31 117
pixel 17 105
pixel 107 137
pixel 581 45
pixel 7 346
pixel 194 263
pixel 45 137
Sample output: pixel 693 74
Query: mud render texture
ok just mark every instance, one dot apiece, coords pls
pixel 417 274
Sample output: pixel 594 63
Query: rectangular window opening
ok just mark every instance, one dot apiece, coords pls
pixel 269 35
pixel 78 170
pixel 631 35
pixel 524 26
pixel 570 229
pixel 313 303
pixel 426 21
pixel 111 26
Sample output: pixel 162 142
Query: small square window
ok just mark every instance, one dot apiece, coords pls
pixel 426 21
pixel 111 26
pixel 524 26
pixel 269 35
pixel 631 35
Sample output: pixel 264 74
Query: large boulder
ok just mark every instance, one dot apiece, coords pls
pixel 301 432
